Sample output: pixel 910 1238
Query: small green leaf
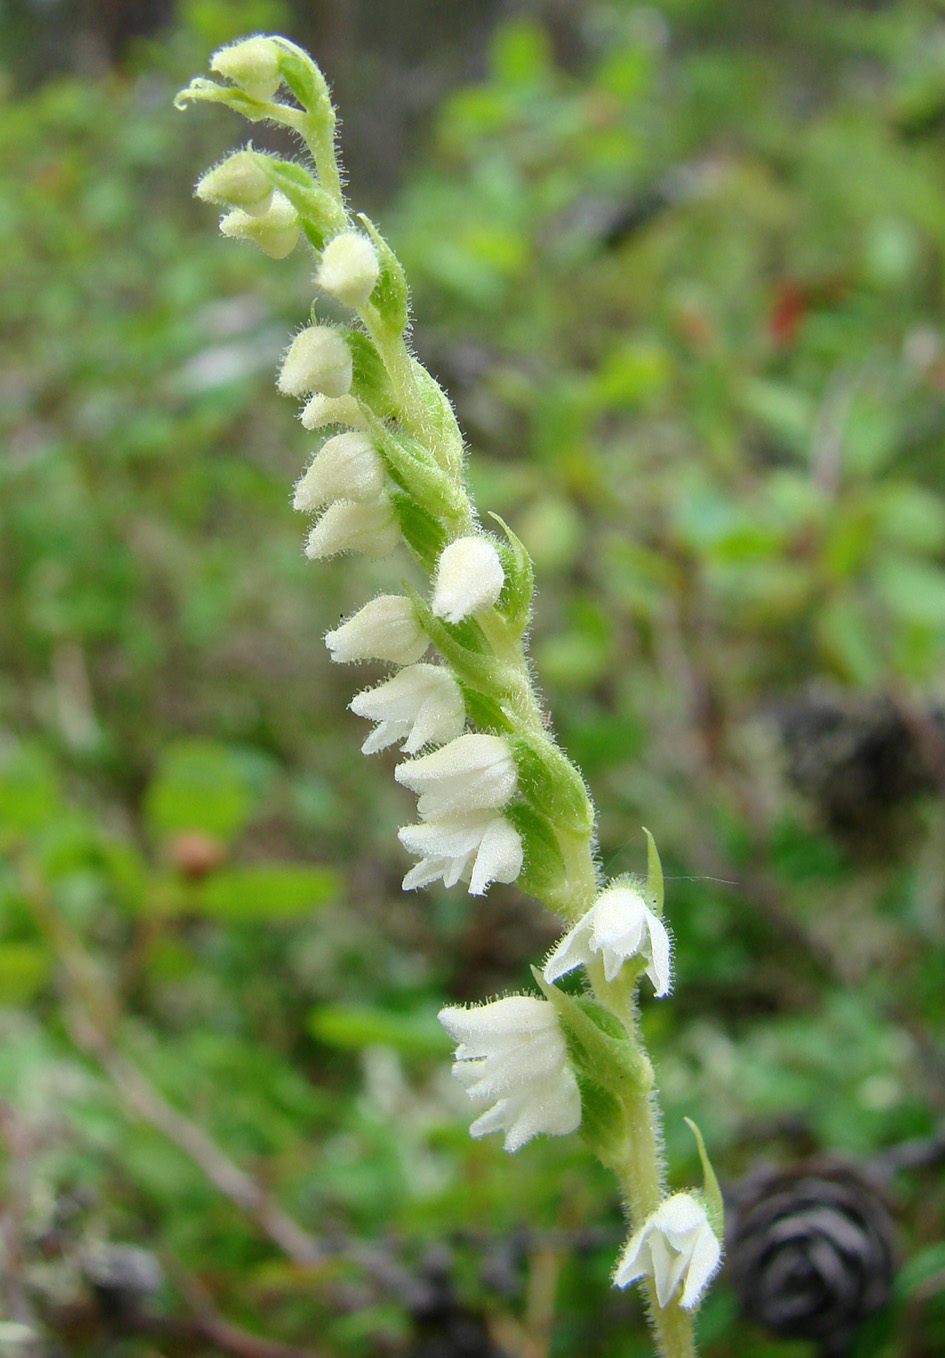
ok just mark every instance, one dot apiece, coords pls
pixel 199 785
pixel 712 1194
pixel 654 874
pixel 266 891
pixel 353 1027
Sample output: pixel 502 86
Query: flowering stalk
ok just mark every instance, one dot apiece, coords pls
pixel 498 800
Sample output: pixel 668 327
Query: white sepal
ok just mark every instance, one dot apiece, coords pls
pixel 275 231
pixel 422 705
pixel 253 64
pixel 472 773
pixel 346 467
pixel 469 579
pixel 480 847
pixel 322 411
pixel 348 268
pixel 512 1056
pixel 368 527
pixel 237 182
pixel 675 1245
pixel 384 629
pixel 618 926
pixel 318 359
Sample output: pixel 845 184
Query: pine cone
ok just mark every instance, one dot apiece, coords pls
pixel 811 1252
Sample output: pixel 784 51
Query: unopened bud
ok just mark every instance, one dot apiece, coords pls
pixel 322 411
pixel 276 231
pixel 318 360
pixel 237 182
pixel 384 629
pixel 349 268
pixel 253 64
pixel 346 467
pixel 370 528
pixel 469 579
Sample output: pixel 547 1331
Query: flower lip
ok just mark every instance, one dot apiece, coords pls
pixel 619 925
pixel 675 1245
pixel 482 846
pixel 473 772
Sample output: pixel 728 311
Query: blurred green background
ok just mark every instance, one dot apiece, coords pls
pixel 680 266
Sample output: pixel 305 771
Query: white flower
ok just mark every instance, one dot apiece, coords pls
pixel 237 182
pixel 275 231
pixel 469 579
pixel 318 359
pixel 619 925
pixel 324 410
pixel 422 705
pixel 354 526
pixel 472 773
pixel 253 64
pixel 384 629
pixel 512 1055
pixel 349 268
pixel 346 467
pixel 479 846
pixel 675 1245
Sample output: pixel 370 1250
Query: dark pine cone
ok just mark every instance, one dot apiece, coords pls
pixel 811 1252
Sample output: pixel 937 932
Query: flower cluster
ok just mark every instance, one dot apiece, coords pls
pixel 497 800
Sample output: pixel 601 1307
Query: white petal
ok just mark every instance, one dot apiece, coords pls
pixel 275 231
pixel 514 1015
pixel 346 467
pixel 499 858
pixel 571 951
pixel 426 871
pixel 318 359
pixel 660 969
pixel 353 526
pixel 450 837
pixel 705 1259
pixel 635 1262
pixel 322 411
pixel 469 579
pixel 471 773
pixel 384 629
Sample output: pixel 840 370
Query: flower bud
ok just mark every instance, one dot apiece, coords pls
pixel 469 579
pixel 347 467
pixel 322 411
pixel 348 268
pixel 237 182
pixel 253 64
pixel 276 231
pixel 354 526
pixel 318 360
pixel 384 629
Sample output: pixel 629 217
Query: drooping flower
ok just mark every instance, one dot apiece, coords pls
pixel 275 231
pixel 472 773
pixel 477 845
pixel 469 579
pixel 512 1055
pixel 676 1245
pixel 422 705
pixel 345 467
pixel 370 528
pixel 619 925
pixel 349 268
pixel 318 359
pixel 386 628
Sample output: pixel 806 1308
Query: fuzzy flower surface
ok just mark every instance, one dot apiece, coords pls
pixel 511 1055
pixel 469 579
pixel 386 628
pixel 675 1247
pixel 472 773
pixel 478 847
pixel 349 268
pixel 422 705
pixel 618 926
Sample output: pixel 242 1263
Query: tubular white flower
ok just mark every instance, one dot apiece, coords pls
pixel 619 925
pixel 469 579
pixel 355 526
pixel 384 629
pixel 675 1245
pixel 472 773
pixel 325 410
pixel 511 1054
pixel 237 182
pixel 479 847
pixel 275 231
pixel 318 359
pixel 346 467
pixel 253 64
pixel 422 705
pixel 349 268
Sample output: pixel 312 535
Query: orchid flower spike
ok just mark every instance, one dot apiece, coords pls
pixel 619 925
pixel 512 1055
pixel 676 1245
